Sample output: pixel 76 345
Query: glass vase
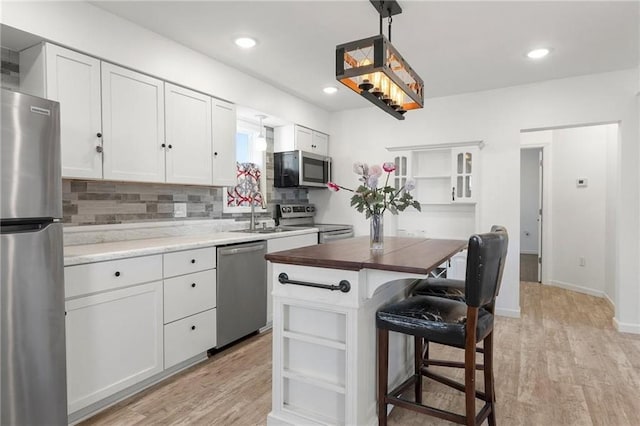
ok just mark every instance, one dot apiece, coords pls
pixel 376 232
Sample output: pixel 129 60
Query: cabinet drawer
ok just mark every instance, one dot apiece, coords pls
pixel 188 337
pixel 101 276
pixel 189 294
pixel 188 261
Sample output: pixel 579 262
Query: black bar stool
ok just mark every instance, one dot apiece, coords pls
pixel 454 290
pixel 448 322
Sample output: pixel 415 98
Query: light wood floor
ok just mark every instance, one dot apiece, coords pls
pixel 529 267
pixel 561 363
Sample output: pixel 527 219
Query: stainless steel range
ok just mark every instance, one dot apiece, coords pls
pixel 301 215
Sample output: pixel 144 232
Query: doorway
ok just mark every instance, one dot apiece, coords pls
pixel 577 174
pixel 531 189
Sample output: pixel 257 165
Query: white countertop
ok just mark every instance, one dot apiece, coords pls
pixel 89 253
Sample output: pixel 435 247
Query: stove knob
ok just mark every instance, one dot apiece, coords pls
pixel 287 209
pixel 309 208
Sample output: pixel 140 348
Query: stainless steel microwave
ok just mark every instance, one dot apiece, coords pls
pixel 300 169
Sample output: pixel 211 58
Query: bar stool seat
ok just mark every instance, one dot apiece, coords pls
pixel 435 319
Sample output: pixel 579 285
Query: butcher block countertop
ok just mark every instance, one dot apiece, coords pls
pixel 400 254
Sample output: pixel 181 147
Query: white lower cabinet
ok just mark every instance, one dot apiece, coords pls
pixel 189 337
pixel 114 340
pixel 189 294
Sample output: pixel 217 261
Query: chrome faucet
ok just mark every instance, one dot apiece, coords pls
pixel 252 221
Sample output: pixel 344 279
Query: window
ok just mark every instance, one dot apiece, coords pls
pixel 250 166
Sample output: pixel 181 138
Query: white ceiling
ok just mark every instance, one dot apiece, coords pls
pixel 456 47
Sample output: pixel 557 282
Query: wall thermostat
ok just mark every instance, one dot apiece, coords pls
pixel 581 182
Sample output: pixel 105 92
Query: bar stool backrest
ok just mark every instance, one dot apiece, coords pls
pixel 485 263
pixel 500 228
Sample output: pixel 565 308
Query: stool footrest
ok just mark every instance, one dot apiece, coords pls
pixel 425 409
pixel 451 383
pixel 454 364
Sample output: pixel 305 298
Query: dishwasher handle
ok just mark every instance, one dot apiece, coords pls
pixel 240 250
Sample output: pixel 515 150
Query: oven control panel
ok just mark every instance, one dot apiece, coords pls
pixel 289 211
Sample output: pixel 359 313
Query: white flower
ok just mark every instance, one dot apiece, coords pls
pixel 372 181
pixel 410 185
pixel 360 168
pixel 375 171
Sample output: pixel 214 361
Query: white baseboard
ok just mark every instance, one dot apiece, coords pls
pixel 626 327
pixel 528 251
pixel 608 299
pixel 511 313
pixel 578 288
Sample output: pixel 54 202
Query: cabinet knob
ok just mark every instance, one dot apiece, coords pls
pixel 193 285
pixel 163 145
pixel 193 327
pixel 215 154
pixel 98 148
pixel 193 261
pixel 453 193
pixel 117 274
pixel 99 134
pixel 170 146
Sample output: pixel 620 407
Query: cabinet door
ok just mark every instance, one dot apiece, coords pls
pixel 320 143
pixel 464 174
pixel 224 143
pixel 188 125
pixel 133 118
pixel 73 80
pixel 114 340
pixel 304 139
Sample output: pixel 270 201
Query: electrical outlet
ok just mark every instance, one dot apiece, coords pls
pixel 581 261
pixel 180 210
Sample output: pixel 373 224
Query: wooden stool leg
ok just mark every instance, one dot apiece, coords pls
pixel 470 366
pixel 417 360
pixel 383 371
pixel 489 385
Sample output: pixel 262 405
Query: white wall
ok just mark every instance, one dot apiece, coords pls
pixel 86 28
pixel 578 214
pixel 497 117
pixel 529 190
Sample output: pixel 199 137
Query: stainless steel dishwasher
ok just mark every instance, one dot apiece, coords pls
pixel 242 290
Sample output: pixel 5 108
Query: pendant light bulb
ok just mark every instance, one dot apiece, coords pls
pixel 261 140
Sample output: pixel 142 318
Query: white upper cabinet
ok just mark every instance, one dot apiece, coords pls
pixel 464 173
pixel 294 137
pixel 188 139
pixel 73 79
pixel 224 143
pixel 133 123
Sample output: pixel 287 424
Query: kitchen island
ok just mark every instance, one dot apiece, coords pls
pixel 325 298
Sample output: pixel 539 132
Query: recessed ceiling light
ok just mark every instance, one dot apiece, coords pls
pixel 245 42
pixel 538 53
pixel 330 90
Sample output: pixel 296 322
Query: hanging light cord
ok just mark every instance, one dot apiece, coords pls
pixel 381 18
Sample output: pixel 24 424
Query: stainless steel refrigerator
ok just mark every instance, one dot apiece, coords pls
pixel 32 337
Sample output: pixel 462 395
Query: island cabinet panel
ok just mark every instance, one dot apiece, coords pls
pixel 114 340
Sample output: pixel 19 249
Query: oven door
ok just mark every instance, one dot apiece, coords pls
pixel 315 170
pixel 326 237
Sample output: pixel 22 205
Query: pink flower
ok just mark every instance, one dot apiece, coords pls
pixel 332 186
pixel 389 167
pixel 375 170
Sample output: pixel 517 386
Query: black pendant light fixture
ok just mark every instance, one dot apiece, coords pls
pixel 373 68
